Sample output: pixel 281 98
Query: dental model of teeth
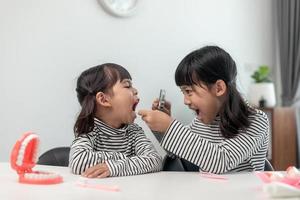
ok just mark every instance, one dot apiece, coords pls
pixel 293 172
pixel 281 184
pixel 23 159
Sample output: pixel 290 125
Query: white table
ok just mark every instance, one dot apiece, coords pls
pixel 158 186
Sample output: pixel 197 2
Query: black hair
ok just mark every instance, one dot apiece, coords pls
pixel 96 79
pixel 207 65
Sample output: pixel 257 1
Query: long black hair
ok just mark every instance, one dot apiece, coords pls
pixel 207 65
pixel 96 79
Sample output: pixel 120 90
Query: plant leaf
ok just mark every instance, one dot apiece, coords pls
pixel 262 74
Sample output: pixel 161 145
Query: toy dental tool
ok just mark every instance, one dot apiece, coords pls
pixel 161 105
pixel 23 159
pixel 161 99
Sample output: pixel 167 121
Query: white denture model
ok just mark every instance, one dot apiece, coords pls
pixel 23 159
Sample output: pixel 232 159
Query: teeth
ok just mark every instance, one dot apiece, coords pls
pixel 19 160
pixel 40 176
pixel 35 153
pixel 22 149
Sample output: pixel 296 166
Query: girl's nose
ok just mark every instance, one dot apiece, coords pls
pixel 135 92
pixel 186 101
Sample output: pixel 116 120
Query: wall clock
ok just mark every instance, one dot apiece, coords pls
pixel 119 8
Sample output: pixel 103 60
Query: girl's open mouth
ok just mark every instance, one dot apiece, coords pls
pixel 135 105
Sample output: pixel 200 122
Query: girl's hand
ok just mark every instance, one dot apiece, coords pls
pixel 166 109
pixel 98 171
pixel 156 120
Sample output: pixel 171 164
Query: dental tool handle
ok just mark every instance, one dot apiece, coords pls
pixel 161 105
pixel 161 99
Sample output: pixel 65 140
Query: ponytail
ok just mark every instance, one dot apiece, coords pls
pixel 234 113
pixel 85 121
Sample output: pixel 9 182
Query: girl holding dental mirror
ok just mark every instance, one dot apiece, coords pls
pixel 227 134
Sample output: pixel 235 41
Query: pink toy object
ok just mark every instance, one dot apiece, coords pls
pixel 212 176
pixel 24 157
pixel 85 183
pixel 290 177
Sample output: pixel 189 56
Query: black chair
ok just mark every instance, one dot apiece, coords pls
pixel 268 166
pixel 173 163
pixel 58 156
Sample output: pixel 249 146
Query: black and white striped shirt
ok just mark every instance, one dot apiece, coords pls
pixel 204 146
pixel 126 151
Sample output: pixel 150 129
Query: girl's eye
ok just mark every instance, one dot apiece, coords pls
pixel 128 85
pixel 188 92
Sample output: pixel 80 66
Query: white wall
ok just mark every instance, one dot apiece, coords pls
pixel 44 45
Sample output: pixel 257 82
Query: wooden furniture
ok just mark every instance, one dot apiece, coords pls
pixel 283 142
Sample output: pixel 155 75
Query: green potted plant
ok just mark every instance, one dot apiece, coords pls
pixel 261 91
pixel 261 75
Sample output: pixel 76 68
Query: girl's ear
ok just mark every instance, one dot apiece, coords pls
pixel 103 99
pixel 220 88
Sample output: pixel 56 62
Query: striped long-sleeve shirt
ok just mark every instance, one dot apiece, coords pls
pixel 204 146
pixel 126 151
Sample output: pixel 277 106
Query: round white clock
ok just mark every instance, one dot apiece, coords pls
pixel 119 8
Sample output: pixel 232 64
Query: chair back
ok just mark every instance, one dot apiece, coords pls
pixel 58 156
pixel 268 166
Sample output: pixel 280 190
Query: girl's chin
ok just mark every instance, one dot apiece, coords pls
pixel 132 117
pixel 134 114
